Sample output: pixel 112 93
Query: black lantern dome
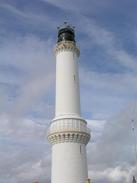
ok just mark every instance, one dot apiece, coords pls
pixel 66 33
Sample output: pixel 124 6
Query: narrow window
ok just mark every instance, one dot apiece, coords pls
pixel 74 78
pixel 80 149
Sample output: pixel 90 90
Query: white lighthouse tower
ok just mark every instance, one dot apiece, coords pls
pixel 68 132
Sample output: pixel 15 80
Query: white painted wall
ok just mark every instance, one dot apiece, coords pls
pixel 69 163
pixel 67 84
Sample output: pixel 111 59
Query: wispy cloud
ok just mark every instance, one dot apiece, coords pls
pixel 108 78
pixel 25 19
pixel 115 160
pixel 32 57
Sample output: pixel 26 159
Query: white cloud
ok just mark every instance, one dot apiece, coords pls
pixel 97 34
pixel 117 174
pixel 68 5
pixel 26 17
pixel 107 92
pixel 108 41
pixel 112 158
pixel 25 154
pixel 28 64
pixel 115 83
pixel 96 127
pixel 31 67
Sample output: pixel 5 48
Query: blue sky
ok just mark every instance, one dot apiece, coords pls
pixel 106 32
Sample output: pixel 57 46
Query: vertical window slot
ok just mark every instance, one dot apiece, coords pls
pixel 74 77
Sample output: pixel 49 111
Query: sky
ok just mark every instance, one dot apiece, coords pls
pixel 106 32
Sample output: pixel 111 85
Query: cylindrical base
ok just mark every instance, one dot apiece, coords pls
pixel 69 163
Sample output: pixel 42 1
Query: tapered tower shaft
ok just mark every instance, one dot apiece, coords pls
pixel 68 132
pixel 67 80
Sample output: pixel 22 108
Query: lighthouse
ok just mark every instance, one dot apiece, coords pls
pixel 68 132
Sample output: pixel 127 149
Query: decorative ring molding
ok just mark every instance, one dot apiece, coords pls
pixel 68 130
pixel 67 45
pixel 70 136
